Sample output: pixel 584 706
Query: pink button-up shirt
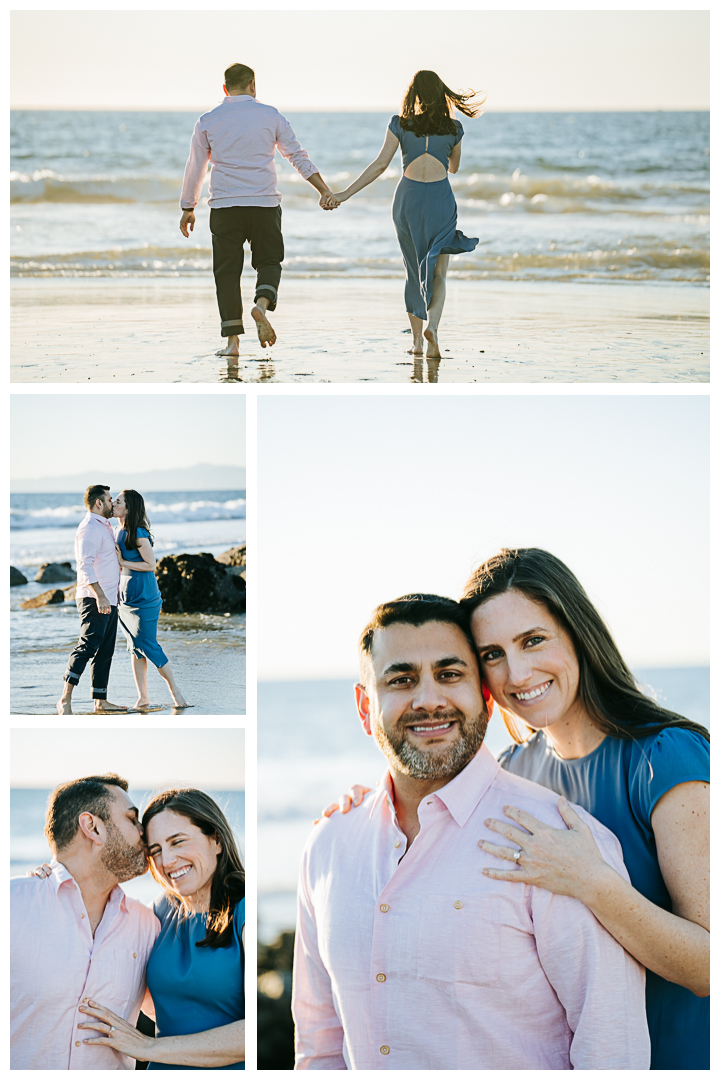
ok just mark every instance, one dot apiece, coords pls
pixel 239 139
pixel 96 558
pixel 425 963
pixel 56 965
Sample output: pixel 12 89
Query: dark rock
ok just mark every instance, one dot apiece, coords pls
pixel 233 556
pixel 52 596
pixel 52 572
pixel 199 583
pixel 275 1032
pixel 16 577
pixel 70 592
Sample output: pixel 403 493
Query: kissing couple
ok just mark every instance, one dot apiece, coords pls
pixel 116 583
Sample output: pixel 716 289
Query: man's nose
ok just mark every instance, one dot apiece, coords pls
pixel 429 695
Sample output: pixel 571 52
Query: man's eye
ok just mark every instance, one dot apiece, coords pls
pixel 402 681
pixel 446 675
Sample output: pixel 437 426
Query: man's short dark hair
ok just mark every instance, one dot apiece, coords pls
pixel 68 801
pixel 93 493
pixel 238 77
pixel 415 609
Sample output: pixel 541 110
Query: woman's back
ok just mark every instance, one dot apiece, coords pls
pixel 425 157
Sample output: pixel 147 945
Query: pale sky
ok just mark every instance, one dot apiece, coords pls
pixel 383 495
pixel 149 758
pixel 524 60
pixel 58 435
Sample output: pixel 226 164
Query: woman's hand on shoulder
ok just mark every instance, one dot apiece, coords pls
pixel 40 871
pixel 345 802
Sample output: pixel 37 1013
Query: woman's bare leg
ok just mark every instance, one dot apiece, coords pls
pixel 436 306
pixel 417 333
pixel 139 666
pixel 177 697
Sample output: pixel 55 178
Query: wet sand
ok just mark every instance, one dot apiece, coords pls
pixel 355 330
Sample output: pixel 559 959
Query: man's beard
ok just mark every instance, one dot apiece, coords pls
pixel 121 859
pixel 432 764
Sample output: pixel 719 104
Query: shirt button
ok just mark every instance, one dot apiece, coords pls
pixel 384 907
pixel 84 1000
pixel 397 843
pixel 134 956
pixel 82 916
pixel 380 977
pixel 384 1049
pixel 77 1043
pixel 458 904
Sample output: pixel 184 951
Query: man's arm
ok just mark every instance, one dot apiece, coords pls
pixel 88 550
pixel 291 149
pixel 318 1031
pixel 600 986
pixel 195 171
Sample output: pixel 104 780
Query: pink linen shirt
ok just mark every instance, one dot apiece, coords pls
pixel 239 139
pixel 96 558
pixel 56 965
pixel 425 963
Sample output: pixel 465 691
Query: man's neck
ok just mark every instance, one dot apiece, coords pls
pixel 95 885
pixel 408 793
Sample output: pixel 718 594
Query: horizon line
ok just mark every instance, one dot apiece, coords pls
pixel 349 109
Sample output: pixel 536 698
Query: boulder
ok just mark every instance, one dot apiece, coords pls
pixel 199 583
pixel 52 596
pixel 52 572
pixel 70 592
pixel 16 577
pixel 233 556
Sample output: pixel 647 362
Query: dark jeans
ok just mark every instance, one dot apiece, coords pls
pixel 231 226
pixel 96 645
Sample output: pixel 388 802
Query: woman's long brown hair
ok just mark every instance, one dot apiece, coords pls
pixel 135 518
pixel 606 687
pixel 228 883
pixel 428 105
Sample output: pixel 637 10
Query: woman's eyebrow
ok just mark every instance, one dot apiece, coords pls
pixel 526 633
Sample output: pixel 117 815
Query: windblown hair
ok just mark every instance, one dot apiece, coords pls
pixel 93 493
pixel 228 884
pixel 428 105
pixel 415 609
pixel 135 518
pixel 238 76
pixel 606 687
pixel 90 795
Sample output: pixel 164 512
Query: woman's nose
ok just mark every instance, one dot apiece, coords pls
pixel 519 669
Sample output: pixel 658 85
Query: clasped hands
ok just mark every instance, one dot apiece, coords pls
pixel 330 201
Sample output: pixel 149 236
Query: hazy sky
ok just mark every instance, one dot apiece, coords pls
pixel 384 495
pixel 60 435
pixel 150 758
pixel 557 60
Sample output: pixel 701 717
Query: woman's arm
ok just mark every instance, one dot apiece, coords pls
pixel 207 1049
pixel 454 159
pixel 375 169
pixel 145 549
pixel 674 944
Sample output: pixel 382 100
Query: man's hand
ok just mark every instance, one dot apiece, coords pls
pixel 187 221
pixel 329 201
pixel 103 604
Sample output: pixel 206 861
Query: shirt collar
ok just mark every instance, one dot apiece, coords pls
pixel 461 796
pixel 61 874
pixel 99 517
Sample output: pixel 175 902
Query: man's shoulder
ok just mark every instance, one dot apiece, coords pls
pixel 337 830
pixel 144 914
pixel 28 886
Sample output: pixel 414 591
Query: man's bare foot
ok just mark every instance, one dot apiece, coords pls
pixel 107 706
pixel 232 348
pixel 266 334
pixel 64 707
pixel 433 351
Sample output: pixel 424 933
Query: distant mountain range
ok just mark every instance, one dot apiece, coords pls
pixel 192 478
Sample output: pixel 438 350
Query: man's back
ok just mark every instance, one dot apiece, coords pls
pixel 417 960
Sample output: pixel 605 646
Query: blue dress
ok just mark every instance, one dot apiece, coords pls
pixel 425 216
pixel 194 989
pixel 620 784
pixel 139 604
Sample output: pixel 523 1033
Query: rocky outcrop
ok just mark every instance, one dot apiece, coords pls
pixel 199 584
pixel 50 573
pixel 52 596
pixel 70 592
pixel 16 577
pixel 233 556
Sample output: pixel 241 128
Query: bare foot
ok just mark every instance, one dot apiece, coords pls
pixel 417 348
pixel 108 707
pixel 266 334
pixel 182 704
pixel 433 351
pixel 232 348
pixel 64 707
pixel 142 703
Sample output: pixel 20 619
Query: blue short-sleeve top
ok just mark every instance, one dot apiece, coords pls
pixel 413 146
pixel 620 783
pixel 134 555
pixel 194 989
pixel 140 585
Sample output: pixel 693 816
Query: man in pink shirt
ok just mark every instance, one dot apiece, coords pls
pixel 407 956
pixel 239 139
pixel 75 936
pixel 98 580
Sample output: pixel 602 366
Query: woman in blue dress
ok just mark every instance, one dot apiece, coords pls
pixel 139 599
pixel 424 209
pixel 195 973
pixel 583 728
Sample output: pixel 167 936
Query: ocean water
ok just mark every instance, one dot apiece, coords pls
pixel 311 748
pixel 551 196
pixel 28 847
pixel 209 650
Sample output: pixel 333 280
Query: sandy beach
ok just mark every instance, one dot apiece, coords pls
pixel 350 330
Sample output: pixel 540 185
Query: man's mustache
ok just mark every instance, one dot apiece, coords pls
pixel 415 718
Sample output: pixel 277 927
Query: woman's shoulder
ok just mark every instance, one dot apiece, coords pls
pixel 395 126
pixel 660 762
pixel 143 534
pixel 162 908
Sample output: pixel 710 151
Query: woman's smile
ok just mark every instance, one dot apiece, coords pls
pixel 531 697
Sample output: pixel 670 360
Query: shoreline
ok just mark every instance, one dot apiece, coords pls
pixel 140 330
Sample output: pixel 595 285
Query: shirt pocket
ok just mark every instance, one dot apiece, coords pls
pixel 116 979
pixel 460 943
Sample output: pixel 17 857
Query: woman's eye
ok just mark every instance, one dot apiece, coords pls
pixel 535 640
pixel 492 654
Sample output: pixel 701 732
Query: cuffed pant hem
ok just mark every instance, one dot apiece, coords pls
pixel 71 678
pixel 230 327
pixel 269 293
pixel 99 695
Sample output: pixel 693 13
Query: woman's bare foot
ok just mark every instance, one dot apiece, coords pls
pixel 182 704
pixel 232 348
pixel 417 348
pixel 142 703
pixel 107 707
pixel 64 707
pixel 433 350
pixel 266 334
